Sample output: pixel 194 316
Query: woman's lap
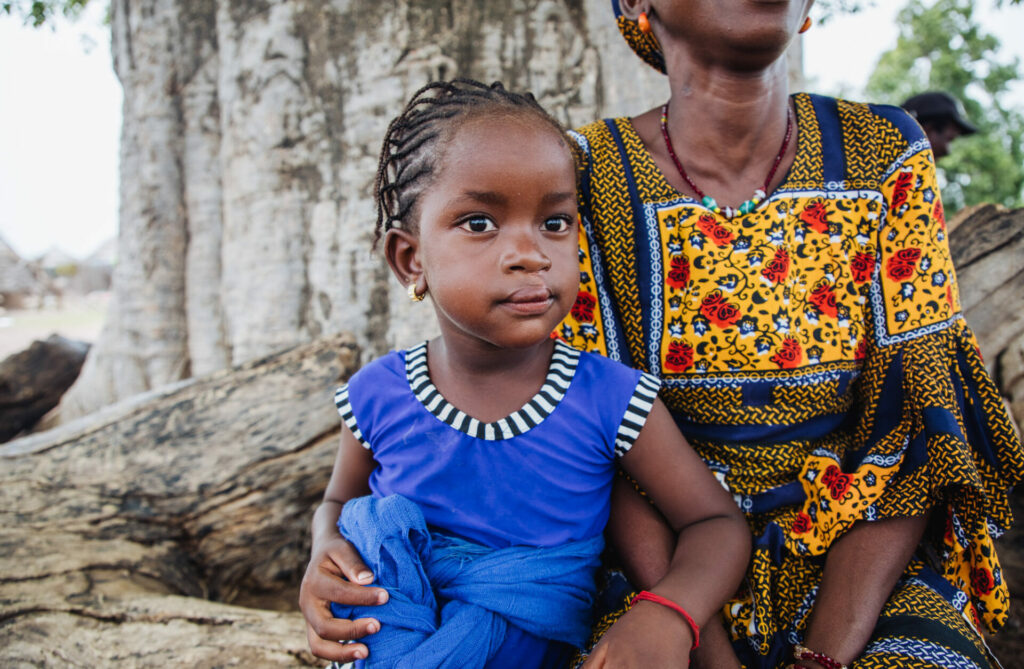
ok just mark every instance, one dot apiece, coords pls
pixel 919 628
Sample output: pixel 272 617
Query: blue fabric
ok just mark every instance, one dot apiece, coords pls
pixel 452 601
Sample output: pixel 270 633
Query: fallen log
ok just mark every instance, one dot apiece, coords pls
pixel 987 244
pixel 118 528
pixel 33 380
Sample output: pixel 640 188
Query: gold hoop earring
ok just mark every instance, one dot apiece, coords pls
pixel 413 295
pixel 806 25
pixel 644 23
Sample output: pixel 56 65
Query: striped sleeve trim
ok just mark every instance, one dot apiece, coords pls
pixel 347 416
pixel 639 408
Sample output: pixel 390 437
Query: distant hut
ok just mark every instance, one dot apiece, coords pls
pixel 21 282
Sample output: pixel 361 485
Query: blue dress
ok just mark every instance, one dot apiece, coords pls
pixel 540 477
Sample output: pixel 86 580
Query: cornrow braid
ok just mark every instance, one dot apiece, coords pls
pixel 415 140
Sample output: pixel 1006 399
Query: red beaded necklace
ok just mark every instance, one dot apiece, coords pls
pixel 759 195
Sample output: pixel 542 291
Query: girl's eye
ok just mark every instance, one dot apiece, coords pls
pixel 556 224
pixel 478 224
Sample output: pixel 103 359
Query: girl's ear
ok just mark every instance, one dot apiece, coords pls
pixel 402 251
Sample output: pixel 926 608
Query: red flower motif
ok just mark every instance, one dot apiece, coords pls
pixel 679 357
pixel 715 308
pixel 721 236
pixel 777 268
pixel 862 266
pixel 789 354
pixel 802 523
pixel 815 215
pixel 902 264
pixel 939 214
pixel 982 581
pixel 824 298
pixel 679 272
pixel 901 190
pixel 838 483
pixel 713 230
pixel 706 223
pixel 862 350
pixel 910 255
pixel 583 308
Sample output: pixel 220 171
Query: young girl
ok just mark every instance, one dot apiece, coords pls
pixel 475 469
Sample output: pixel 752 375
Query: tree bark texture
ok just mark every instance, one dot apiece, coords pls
pixel 249 148
pixel 118 529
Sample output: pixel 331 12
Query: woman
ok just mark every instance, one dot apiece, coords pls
pixel 781 263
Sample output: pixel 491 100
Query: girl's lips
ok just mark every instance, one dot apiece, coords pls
pixel 529 300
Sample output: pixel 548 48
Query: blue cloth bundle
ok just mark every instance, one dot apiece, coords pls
pixel 451 601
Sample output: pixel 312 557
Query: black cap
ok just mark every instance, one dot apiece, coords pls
pixel 938 106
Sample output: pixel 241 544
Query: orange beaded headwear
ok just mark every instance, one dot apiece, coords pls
pixel 643 44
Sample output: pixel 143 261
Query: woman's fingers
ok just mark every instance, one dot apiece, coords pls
pixel 321 585
pixel 351 564
pixel 327 647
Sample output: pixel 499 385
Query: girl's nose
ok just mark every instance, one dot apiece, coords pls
pixel 524 253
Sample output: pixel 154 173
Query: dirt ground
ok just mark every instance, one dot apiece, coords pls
pixel 75 318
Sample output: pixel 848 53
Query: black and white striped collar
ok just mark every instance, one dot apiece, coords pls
pixel 560 372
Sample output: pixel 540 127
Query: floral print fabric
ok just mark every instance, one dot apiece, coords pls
pixel 812 351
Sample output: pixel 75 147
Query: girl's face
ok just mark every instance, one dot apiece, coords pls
pixel 497 240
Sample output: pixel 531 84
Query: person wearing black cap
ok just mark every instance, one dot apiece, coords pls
pixel 942 117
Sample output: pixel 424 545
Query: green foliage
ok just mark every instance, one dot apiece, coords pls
pixel 825 10
pixel 941 47
pixel 38 12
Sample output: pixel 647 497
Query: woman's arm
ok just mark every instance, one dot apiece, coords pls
pixel 335 572
pixel 861 569
pixel 709 556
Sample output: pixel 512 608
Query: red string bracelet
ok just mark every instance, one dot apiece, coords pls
pixel 801 653
pixel 658 599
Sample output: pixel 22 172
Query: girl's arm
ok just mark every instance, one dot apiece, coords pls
pixel 335 572
pixel 708 561
pixel 644 543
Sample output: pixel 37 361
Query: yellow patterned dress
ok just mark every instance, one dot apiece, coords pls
pixel 814 353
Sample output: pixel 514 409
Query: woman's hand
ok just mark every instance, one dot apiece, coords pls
pixel 336 573
pixel 649 636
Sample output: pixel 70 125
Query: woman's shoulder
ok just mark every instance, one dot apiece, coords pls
pixel 858 120
pixel 597 132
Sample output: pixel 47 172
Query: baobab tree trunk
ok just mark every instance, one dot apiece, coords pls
pixel 251 131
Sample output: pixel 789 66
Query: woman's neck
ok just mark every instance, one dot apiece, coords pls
pixel 726 128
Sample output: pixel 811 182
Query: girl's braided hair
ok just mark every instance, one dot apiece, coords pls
pixel 415 140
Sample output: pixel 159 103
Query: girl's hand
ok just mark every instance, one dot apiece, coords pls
pixel 649 636
pixel 715 650
pixel 336 573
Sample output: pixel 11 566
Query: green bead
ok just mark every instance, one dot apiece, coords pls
pixel 710 203
pixel 747 207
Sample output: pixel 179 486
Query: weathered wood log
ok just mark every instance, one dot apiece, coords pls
pixel 32 381
pixel 115 529
pixel 987 243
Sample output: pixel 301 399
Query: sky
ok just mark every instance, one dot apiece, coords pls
pixel 60 114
